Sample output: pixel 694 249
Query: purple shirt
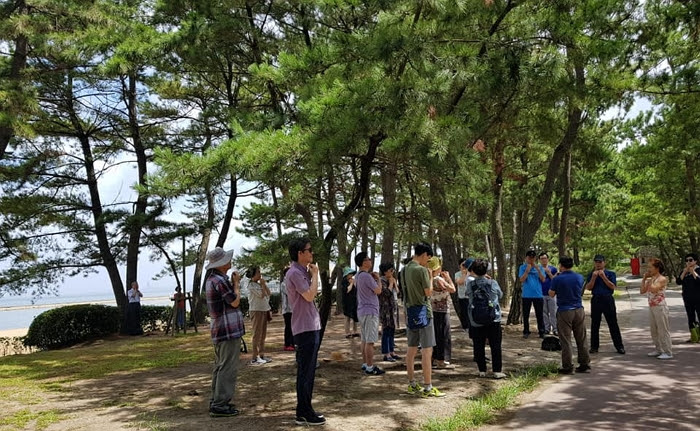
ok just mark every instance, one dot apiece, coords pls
pixel 367 300
pixel 305 316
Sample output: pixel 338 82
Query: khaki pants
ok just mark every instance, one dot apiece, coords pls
pixel 660 334
pixel 573 322
pixel 259 319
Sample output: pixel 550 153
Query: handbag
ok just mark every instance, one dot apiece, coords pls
pixel 417 316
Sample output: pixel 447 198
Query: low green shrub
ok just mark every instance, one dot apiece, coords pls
pixel 72 324
pixel 155 317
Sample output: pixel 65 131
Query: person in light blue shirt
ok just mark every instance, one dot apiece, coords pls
pixel 531 276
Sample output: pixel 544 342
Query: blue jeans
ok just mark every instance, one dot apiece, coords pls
pixel 387 340
pixel 307 344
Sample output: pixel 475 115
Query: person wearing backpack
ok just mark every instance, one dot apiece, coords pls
pixel 571 318
pixel 485 318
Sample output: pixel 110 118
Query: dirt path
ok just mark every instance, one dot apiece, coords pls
pixel 177 399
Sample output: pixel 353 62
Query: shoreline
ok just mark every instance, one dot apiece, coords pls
pixel 11 333
pixel 65 304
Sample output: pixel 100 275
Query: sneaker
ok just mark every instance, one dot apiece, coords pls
pixel 414 389
pixel 593 351
pixel 258 361
pixel 583 369
pixel 396 357
pixel 375 371
pixel 266 359
pixel 312 421
pixel 389 359
pixel 664 356
pixel 289 348
pixel 526 336
pixel 565 371
pixel 482 373
pixel 434 392
pixel 364 367
pixel 222 412
pixel 653 354
pixel 499 375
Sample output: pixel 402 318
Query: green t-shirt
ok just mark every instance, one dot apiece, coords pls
pixel 417 280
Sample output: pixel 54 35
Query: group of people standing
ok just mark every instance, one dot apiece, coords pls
pixel 423 285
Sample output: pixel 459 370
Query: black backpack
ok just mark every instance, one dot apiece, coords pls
pixel 551 344
pixel 483 310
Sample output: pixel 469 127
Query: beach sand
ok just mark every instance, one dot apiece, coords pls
pixel 14 332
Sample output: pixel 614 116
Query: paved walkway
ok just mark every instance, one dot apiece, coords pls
pixel 624 392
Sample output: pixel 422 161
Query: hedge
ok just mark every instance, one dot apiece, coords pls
pixel 72 324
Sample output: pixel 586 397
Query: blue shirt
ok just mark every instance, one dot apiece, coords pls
pixel 548 281
pixel 599 287
pixel 532 287
pixel 568 286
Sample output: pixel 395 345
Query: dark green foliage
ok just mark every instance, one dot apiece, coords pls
pixel 154 317
pixel 66 326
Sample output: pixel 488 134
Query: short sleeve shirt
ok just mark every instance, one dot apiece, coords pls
pixel 568 286
pixel 305 316
pixel 417 280
pixel 599 287
pixel 226 321
pixel 367 300
pixel 532 287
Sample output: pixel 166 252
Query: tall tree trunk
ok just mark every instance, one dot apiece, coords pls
pixel 497 222
pixel 138 218
pixel 230 206
pixel 388 179
pixel 566 205
pixel 19 63
pixel 108 259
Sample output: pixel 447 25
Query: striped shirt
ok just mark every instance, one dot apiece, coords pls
pixel 226 321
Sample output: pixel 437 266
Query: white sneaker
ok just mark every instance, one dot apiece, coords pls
pixel 499 375
pixel 258 361
pixel 482 373
pixel 664 356
pixel 654 353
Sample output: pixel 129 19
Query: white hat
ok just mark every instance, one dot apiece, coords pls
pixel 218 257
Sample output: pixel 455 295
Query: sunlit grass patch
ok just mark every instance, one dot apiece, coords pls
pixel 149 421
pixel 483 409
pixel 39 419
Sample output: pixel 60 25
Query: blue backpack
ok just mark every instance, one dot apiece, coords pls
pixel 483 309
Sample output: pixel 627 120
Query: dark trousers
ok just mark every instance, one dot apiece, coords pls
pixel 604 306
pixel 692 309
pixel 464 311
pixel 538 303
pixel 307 344
pixel 288 337
pixel 388 340
pixel 492 333
pixel 133 319
pixel 443 339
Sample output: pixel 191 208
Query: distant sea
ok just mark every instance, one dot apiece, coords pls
pixel 18 312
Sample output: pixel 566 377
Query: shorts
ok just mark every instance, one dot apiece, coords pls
pixel 369 328
pixel 425 337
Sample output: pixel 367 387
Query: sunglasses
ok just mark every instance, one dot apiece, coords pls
pixel 690 259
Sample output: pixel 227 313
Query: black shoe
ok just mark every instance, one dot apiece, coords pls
pixel 583 369
pixel 526 336
pixel 376 371
pixel 593 351
pixel 621 350
pixel 565 371
pixel 311 421
pixel 542 335
pixel 222 412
